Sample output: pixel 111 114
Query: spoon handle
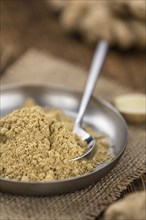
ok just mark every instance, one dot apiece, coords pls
pixel 94 73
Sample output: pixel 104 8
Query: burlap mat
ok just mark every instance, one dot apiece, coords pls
pixel 34 67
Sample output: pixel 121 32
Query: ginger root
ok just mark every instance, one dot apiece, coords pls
pixel 131 207
pixel 121 24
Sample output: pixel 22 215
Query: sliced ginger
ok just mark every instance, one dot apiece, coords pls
pixel 132 106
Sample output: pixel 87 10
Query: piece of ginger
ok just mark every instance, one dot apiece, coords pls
pixel 131 207
pixel 132 106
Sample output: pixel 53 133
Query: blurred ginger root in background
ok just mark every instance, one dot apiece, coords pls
pixel 121 23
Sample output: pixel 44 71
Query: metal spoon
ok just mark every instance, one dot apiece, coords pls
pixel 94 73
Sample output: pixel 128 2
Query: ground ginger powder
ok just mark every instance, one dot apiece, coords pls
pixel 36 145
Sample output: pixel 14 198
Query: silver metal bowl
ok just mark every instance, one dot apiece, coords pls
pixel 100 116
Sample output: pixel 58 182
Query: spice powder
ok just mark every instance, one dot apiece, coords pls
pixel 36 145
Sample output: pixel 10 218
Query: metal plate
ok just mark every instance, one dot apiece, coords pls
pixel 100 116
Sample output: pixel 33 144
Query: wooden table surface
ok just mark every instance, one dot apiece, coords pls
pixel 27 24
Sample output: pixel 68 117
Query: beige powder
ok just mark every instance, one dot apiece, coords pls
pixel 36 145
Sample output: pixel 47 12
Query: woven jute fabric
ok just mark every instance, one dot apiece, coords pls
pixel 88 203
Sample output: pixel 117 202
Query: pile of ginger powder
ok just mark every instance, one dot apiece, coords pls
pixel 36 144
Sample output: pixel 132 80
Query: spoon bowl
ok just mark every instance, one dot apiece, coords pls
pixel 87 138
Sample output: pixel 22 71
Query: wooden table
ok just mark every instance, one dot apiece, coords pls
pixel 27 24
